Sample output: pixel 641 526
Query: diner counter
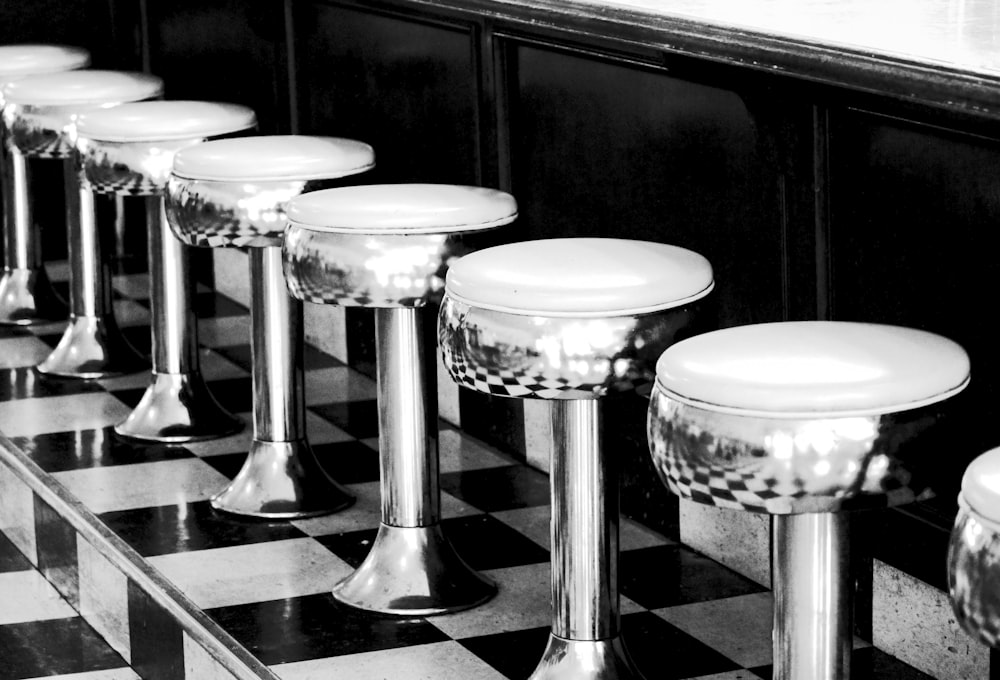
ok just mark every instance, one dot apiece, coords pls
pixel 944 53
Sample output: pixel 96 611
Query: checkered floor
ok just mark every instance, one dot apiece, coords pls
pixel 267 583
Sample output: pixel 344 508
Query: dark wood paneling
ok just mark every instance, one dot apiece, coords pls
pixel 407 87
pixel 223 50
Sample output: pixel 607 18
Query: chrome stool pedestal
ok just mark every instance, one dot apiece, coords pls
pixel 129 150
pixel 387 247
pixel 803 421
pixel 569 320
pixel 231 193
pixel 40 113
pixel 26 295
pixel 974 551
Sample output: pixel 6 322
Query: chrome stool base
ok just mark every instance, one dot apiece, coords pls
pixel 282 480
pixel 27 298
pixel 176 408
pixel 92 347
pixel 435 579
pixel 585 660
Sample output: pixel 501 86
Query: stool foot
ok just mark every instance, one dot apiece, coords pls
pixel 585 660
pixel 177 407
pixel 26 298
pixel 282 480
pixel 91 348
pixel 435 579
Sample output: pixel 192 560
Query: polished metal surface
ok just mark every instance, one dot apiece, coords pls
pixel 974 574
pixel 240 214
pixel 129 168
pixel 586 660
pixel 555 357
pixel 411 568
pixel 367 269
pixel 26 295
pixel 281 477
pixel 785 465
pixel 413 571
pixel 584 527
pixel 92 345
pixel 177 406
pixel 812 632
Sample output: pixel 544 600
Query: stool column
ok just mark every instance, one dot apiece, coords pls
pixel 26 296
pixel 435 579
pixel 812 596
pixel 177 405
pixel 281 477
pixel 585 641
pixel 92 345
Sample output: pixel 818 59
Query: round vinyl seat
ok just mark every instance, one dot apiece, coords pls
pixel 384 245
pixel 40 110
pixel 797 416
pixel 974 551
pixel 17 61
pixel 567 318
pixel 232 192
pixel 129 149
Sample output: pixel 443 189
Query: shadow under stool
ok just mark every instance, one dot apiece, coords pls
pixel 803 421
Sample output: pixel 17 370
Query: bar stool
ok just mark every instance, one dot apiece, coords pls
pixel 570 320
pixel 40 112
pixel 26 296
pixel 802 420
pixel 974 551
pixel 129 150
pixel 387 247
pixel 232 193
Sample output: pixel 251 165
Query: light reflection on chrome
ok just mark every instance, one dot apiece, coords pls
pixel 129 168
pixel 47 131
pixel 974 575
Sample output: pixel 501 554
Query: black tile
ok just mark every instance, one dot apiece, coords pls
pixel 359 325
pixel 316 626
pixel 53 647
pixel 140 338
pixel 312 358
pixel 129 397
pixel 235 394
pixel 515 653
pixel 155 638
pixel 664 576
pixel 8 332
pixel 191 526
pixel 237 354
pixel 229 464
pixel 496 420
pixel 350 546
pixel 210 304
pixel 912 544
pixel 80 449
pixel 869 663
pixel 55 541
pixel 485 542
pixel 348 462
pixel 11 559
pixel 356 418
pixel 646 637
pixel 500 488
pixel 27 383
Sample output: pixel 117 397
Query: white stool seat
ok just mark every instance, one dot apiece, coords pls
pixel 274 158
pixel 813 369
pixel 981 486
pixel 580 277
pixel 165 121
pixel 17 61
pixel 82 88
pixel 403 209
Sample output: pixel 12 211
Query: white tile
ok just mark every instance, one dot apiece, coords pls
pixel 23 351
pixel 234 443
pixel 738 627
pixel 326 329
pixel 257 572
pixel 27 596
pixel 108 674
pixel 214 366
pixel 366 512
pixel 143 485
pixel 232 274
pixel 438 661
pixel 740 540
pixel 538 433
pixel 224 331
pixel 533 522
pixel 57 270
pixel 26 417
pixel 914 622
pixel 132 285
pixel 322 431
pixel 200 665
pixel 129 313
pixel 337 384
pixel 448 401
pixel 104 598
pixel 17 513
pixel 458 452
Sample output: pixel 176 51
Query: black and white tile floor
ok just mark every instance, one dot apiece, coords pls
pixel 266 583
